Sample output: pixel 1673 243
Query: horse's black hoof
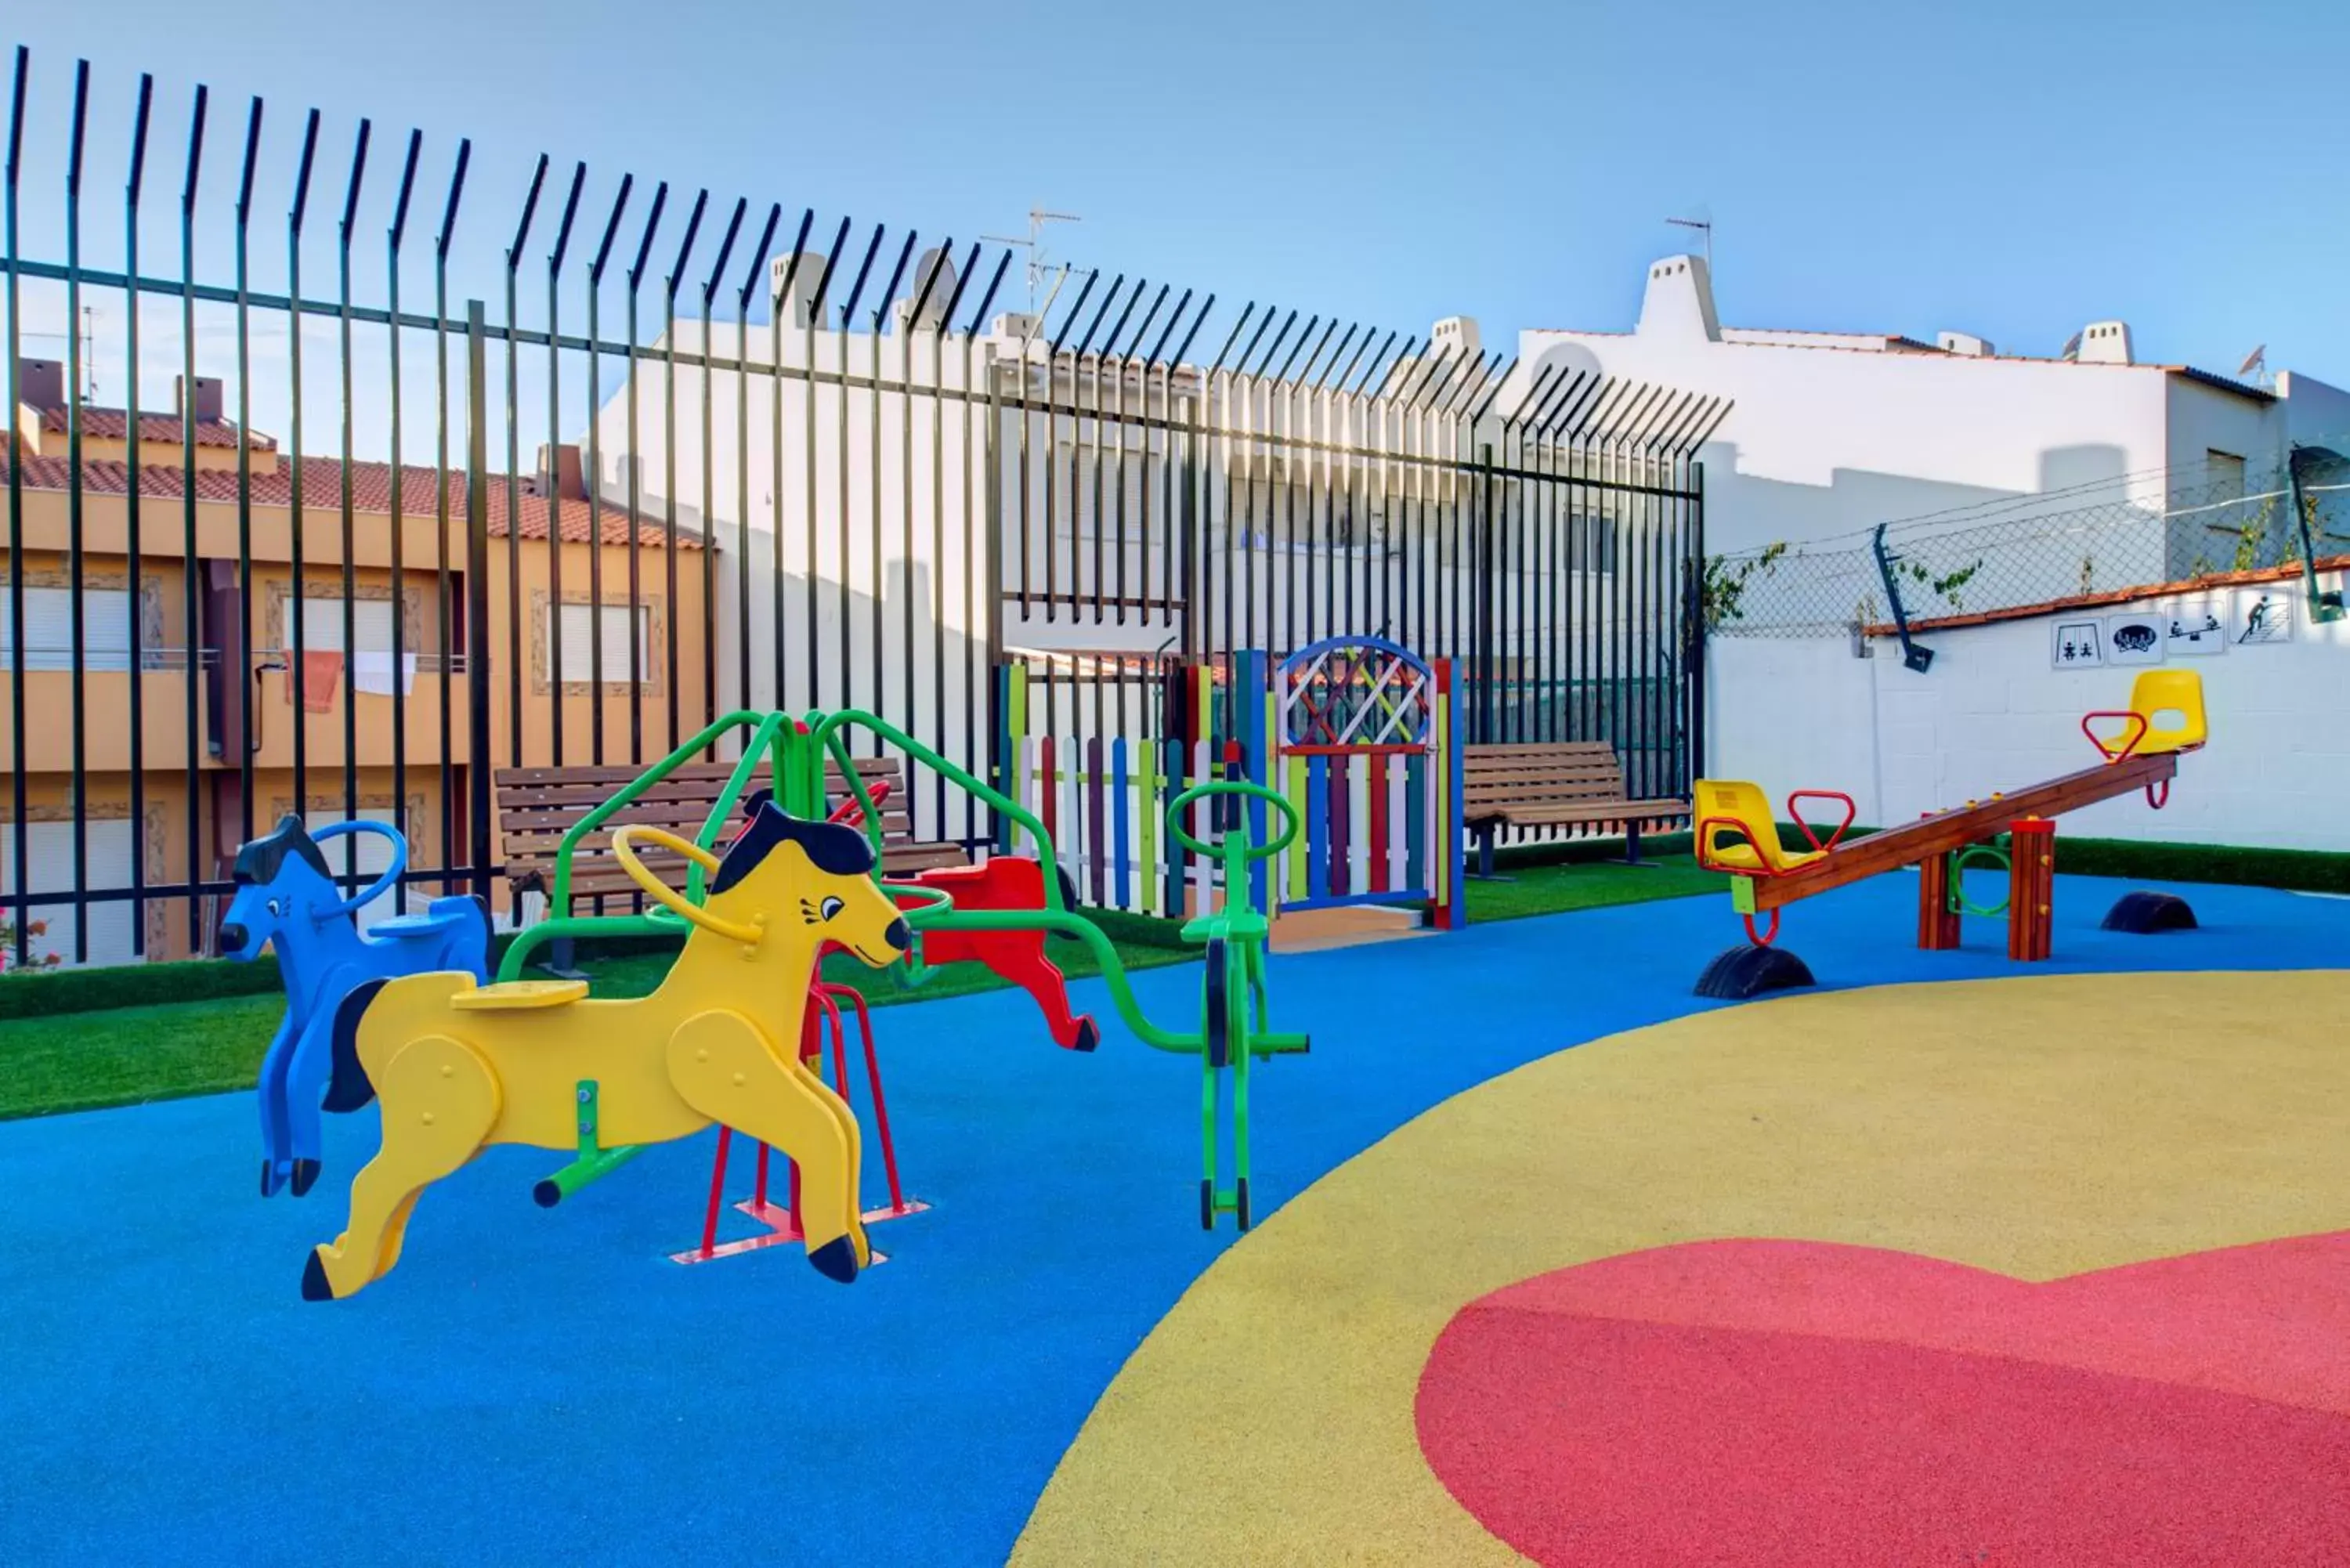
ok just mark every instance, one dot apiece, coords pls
pixel 836 1259
pixel 315 1287
pixel 305 1176
pixel 269 1177
pixel 1089 1035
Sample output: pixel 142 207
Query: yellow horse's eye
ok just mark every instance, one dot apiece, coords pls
pixel 830 908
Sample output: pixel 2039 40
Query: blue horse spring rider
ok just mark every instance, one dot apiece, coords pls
pixel 287 898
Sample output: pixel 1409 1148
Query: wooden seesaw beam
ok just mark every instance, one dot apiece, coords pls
pixel 1947 831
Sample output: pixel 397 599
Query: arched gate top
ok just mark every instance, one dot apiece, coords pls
pixel 1355 691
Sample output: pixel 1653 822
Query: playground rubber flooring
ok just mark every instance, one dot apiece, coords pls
pixel 2039 1266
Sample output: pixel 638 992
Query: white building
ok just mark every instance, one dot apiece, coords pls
pixel 1831 432
pixel 2070 478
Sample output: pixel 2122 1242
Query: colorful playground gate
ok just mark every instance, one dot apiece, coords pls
pixel 1358 734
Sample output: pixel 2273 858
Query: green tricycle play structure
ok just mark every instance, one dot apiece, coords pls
pixel 1235 1027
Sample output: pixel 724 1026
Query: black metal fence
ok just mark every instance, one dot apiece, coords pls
pixel 277 547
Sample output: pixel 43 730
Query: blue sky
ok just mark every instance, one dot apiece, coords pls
pixel 2012 170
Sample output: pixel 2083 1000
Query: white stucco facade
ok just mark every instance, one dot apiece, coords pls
pixel 1834 432
pixel 1997 712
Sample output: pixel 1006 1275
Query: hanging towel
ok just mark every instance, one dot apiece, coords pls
pixel 322 674
pixel 372 673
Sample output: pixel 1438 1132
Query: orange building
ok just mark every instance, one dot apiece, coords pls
pixel 208 692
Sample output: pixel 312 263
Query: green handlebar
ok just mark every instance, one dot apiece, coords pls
pixel 1232 786
pixel 933 902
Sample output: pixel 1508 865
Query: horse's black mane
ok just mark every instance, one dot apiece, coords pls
pixel 259 862
pixel 835 848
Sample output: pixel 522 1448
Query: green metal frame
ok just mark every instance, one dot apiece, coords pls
pixel 1996 854
pixel 796 750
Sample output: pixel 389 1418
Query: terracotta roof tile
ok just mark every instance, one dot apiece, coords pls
pixel 322 489
pixel 114 424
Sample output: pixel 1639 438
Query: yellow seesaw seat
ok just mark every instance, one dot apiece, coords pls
pixel 1733 805
pixel 2159 693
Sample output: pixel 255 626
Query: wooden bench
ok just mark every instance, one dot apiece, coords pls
pixel 1576 783
pixel 537 806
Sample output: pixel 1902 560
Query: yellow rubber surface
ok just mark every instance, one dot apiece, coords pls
pixel 2039 1127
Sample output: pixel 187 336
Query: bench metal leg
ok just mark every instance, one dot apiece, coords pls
pixel 1485 872
pixel 1631 855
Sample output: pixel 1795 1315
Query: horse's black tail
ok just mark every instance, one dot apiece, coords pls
pixel 348 1089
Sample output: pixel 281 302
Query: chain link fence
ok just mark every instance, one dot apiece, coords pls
pixel 2033 550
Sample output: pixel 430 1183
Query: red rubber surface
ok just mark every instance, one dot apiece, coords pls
pixel 1771 1402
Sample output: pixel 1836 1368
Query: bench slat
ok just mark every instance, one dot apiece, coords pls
pixel 540 805
pixel 1553 783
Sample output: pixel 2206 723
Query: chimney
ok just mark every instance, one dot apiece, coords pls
pixel 42 383
pixel 1678 302
pixel 794 312
pixel 1965 345
pixel 208 398
pixel 560 476
pixel 2105 343
pixel 1456 335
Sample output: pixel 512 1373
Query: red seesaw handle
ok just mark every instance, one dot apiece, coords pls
pixel 852 814
pixel 1850 811
pixel 1707 863
pixel 2098 740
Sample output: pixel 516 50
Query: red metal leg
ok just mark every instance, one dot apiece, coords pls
pixel 1765 938
pixel 717 1191
pixel 880 1106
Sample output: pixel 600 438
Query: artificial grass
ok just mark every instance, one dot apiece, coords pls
pixel 67 1042
pixel 126 1055
pixel 1550 889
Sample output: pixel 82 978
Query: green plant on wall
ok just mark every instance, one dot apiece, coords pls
pixel 34 959
pixel 1949 584
pixel 1724 591
pixel 2249 535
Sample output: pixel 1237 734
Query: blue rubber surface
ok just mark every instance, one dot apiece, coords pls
pixel 535 1386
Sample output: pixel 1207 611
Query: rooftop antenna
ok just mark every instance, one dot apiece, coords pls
pixel 89 336
pixel 1034 246
pixel 1705 225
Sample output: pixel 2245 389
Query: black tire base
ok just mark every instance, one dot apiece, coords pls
pixel 1748 971
pixel 2143 914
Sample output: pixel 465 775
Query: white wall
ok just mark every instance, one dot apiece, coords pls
pixel 1992 714
pixel 1834 432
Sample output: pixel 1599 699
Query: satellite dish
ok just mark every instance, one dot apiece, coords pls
pixel 2071 349
pixel 934 284
pixel 2254 360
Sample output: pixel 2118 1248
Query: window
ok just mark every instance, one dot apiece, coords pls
pixel 106 864
pixel 48 628
pixel 579 649
pixel 322 625
pixel 2225 471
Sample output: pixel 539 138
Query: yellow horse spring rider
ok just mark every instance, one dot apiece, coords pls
pixel 460 1066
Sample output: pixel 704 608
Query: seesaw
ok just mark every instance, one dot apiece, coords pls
pixel 1235 1027
pixel 1736 833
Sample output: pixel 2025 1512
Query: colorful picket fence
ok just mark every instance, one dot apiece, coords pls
pixel 1363 746
pixel 1379 803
